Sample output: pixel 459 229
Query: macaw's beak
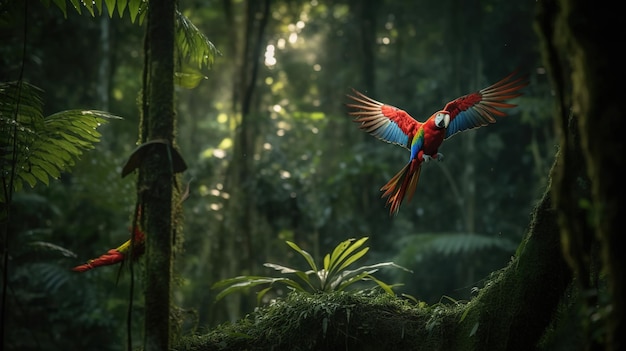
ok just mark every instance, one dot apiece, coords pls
pixel 442 120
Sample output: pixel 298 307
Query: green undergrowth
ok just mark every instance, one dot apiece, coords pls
pixel 334 321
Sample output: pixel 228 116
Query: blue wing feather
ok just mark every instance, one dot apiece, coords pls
pixel 482 107
pixel 384 122
pixel 391 132
pixel 466 120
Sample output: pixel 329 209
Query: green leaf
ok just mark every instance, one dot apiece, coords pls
pixel 386 287
pixel 17 185
pixel 51 163
pixel 189 78
pixel 77 141
pixel 305 278
pixel 351 259
pixel 40 174
pixel 133 9
pixel 348 251
pixel 83 130
pixel 327 262
pixel 282 269
pixel 66 147
pixel 304 254
pixel 245 282
pixel 28 178
pixel 142 13
pixel 225 282
pixel 242 285
pixel 76 4
pixel 341 284
pixel 89 5
pixel 110 4
pixel 121 6
pixel 379 265
pixel 98 4
pixel 337 252
pixel 48 167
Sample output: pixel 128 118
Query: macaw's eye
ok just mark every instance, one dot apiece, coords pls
pixel 442 120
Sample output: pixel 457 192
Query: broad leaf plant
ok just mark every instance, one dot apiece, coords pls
pixel 333 275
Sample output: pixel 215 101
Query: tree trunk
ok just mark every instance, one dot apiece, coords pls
pixel 237 232
pixel 588 87
pixel 156 174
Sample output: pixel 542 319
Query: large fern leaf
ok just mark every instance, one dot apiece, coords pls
pixel 34 148
pixel 417 247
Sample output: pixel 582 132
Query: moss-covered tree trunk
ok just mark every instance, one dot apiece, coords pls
pixel 156 175
pixel 587 77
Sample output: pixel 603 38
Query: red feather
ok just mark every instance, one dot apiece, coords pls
pixel 116 255
pixel 402 184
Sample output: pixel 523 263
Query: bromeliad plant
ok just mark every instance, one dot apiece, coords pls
pixel 334 275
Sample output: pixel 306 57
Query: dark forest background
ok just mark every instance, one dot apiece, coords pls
pixel 273 155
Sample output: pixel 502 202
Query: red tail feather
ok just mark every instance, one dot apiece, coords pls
pixel 402 184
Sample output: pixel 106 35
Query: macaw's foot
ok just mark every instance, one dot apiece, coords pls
pixel 439 157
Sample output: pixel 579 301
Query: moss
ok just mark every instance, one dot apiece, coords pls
pixel 339 320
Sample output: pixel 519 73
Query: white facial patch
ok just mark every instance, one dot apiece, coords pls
pixel 442 120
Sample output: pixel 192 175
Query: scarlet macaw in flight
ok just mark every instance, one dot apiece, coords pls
pixel 395 126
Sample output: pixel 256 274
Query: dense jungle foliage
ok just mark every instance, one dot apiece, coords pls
pixel 272 155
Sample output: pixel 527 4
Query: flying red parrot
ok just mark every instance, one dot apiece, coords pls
pixel 395 126
pixel 118 254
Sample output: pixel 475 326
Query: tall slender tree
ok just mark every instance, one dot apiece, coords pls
pixel 238 229
pixel 157 179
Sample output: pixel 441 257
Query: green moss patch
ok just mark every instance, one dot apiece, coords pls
pixel 340 320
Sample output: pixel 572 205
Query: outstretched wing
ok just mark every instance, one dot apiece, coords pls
pixel 482 107
pixel 385 122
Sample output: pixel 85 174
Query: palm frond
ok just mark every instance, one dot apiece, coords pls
pixel 34 148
